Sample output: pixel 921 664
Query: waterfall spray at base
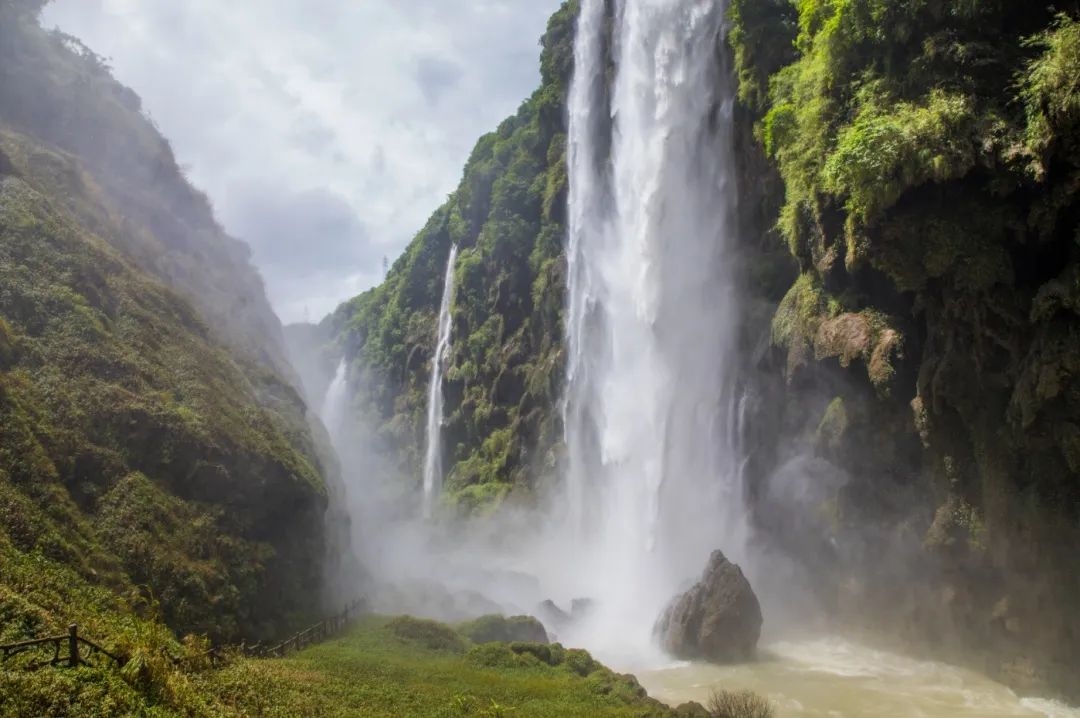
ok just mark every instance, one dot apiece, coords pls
pixel 433 472
pixel 651 410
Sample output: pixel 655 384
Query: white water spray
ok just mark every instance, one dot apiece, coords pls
pixel 652 411
pixel 433 471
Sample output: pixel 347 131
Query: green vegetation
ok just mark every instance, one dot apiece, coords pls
pixel 375 671
pixel 425 633
pixel 125 430
pixel 501 628
pixel 505 365
pixel 928 159
pixel 739 704
pixel 157 476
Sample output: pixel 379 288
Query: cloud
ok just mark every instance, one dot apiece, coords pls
pixel 325 132
pixel 299 232
pixel 435 77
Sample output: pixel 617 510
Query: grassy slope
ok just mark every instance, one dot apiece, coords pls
pixel 381 666
pixel 144 459
pixel 372 671
pixel 127 429
pixel 124 434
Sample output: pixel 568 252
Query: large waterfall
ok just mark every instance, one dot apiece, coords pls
pixel 652 407
pixel 433 471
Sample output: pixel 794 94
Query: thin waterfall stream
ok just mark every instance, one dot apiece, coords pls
pixel 335 403
pixel 433 469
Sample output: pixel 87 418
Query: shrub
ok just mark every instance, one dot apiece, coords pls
pixel 552 654
pixel 432 635
pixel 580 662
pixel 739 704
pixel 495 627
pixel 495 655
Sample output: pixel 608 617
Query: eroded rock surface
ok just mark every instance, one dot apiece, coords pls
pixel 718 619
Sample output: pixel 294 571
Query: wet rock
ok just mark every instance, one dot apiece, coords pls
pixel 718 619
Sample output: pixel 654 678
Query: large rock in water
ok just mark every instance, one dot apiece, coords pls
pixel 719 619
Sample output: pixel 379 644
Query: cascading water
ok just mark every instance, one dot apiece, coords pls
pixel 651 408
pixel 433 474
pixel 335 402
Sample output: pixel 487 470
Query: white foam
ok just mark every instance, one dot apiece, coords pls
pixel 1050 708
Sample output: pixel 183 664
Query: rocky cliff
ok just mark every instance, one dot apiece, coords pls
pixel 927 161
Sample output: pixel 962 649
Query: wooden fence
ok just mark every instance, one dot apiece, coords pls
pixel 72 650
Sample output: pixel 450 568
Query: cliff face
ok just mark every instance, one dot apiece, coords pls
pixel 149 433
pixel 929 169
pixel 505 360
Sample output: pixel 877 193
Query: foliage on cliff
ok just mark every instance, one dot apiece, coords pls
pixel 144 458
pixel 930 165
pixel 507 219
pixel 58 91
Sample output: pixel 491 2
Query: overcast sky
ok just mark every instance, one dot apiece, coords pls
pixel 324 131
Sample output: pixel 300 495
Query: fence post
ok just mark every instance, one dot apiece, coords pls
pixel 73 646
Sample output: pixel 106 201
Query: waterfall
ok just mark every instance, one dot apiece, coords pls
pixel 433 472
pixel 335 403
pixel 651 411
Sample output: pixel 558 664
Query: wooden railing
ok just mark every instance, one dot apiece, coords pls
pixel 78 650
pixel 314 634
pixel 72 650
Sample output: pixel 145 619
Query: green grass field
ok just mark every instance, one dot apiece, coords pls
pixel 395 667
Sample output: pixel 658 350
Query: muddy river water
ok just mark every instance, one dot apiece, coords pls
pixel 834 678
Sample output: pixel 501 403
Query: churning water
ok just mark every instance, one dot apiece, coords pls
pixel 832 678
pixel 433 469
pixel 651 409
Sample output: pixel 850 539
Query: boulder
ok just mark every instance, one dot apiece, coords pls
pixel 718 619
